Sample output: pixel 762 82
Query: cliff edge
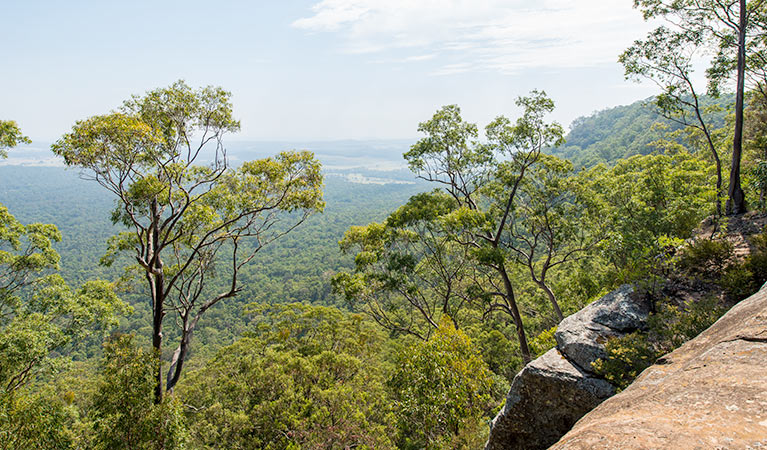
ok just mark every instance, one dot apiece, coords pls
pixel 552 392
pixel 709 393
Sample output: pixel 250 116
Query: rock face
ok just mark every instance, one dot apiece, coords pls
pixel 551 393
pixel 581 337
pixel 709 393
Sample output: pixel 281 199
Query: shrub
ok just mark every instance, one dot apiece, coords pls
pixel 706 257
pixel 627 357
pixel 670 327
pixel 442 390
pixel 543 342
pixel 742 280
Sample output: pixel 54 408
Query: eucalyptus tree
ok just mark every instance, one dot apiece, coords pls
pixel 190 216
pixel 730 26
pixel 557 220
pixel 666 57
pixel 484 180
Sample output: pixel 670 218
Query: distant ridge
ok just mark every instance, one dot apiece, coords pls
pixel 611 134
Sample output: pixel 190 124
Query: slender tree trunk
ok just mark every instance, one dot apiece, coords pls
pixel 552 299
pixel 736 203
pixel 512 303
pixel 157 285
pixel 714 153
pixel 177 363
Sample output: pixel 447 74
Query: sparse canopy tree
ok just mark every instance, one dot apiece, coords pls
pixel 484 179
pixel 189 213
pixel 666 58
pixel 556 221
pixel 730 26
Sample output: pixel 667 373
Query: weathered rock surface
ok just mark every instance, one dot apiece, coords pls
pixel 709 393
pixel 581 336
pixel 546 398
pixel 551 393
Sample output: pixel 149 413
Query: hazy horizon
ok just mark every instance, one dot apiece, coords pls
pixel 317 70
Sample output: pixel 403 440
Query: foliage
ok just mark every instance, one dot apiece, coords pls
pixel 10 136
pixel 742 279
pixel 543 342
pixel 39 313
pixel 35 420
pixel 627 357
pixel 706 257
pixel 649 199
pixel 306 377
pixel 408 271
pixel 441 388
pixel 758 182
pixel 669 328
pixel 124 412
pixel 673 325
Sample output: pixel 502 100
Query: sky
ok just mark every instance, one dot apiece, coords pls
pixel 316 69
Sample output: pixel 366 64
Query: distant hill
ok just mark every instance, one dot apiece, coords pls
pixel 609 135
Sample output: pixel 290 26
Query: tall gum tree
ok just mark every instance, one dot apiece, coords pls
pixel 731 27
pixel 484 180
pixel 189 215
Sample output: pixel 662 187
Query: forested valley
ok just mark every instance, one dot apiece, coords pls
pixel 157 293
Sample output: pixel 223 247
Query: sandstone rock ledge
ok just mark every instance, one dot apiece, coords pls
pixel 551 393
pixel 709 393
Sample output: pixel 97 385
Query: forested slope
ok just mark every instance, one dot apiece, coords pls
pixel 623 131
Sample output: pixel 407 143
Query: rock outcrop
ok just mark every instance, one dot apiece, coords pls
pixel 551 393
pixel 709 393
pixel 581 336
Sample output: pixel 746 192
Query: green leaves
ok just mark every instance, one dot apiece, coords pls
pixel 441 386
pixel 647 198
pixel 10 136
pixel 124 412
pixel 49 318
pixel 305 377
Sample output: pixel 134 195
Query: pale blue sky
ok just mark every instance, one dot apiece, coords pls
pixel 316 69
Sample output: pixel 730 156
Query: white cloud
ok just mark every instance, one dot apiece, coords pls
pixel 499 35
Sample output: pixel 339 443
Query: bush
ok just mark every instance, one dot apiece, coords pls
pixel 742 280
pixel 543 342
pixel 124 412
pixel 706 257
pixel 442 391
pixel 627 357
pixel 670 327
